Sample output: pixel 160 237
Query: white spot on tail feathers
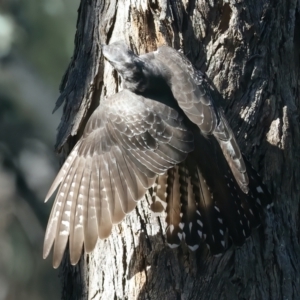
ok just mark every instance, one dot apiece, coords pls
pixel 208 246
pixel 193 248
pixel 223 243
pixel 244 233
pixel 171 227
pixel 200 233
pixel 251 212
pixel 241 222
pixel 204 235
pixel 198 212
pixel 217 209
pixel 163 203
pixel 68 213
pixel 221 231
pixel 238 211
pixel 220 220
pixel 64 232
pixel 181 225
pixel 173 245
pixel 179 235
pixel 165 194
pixel 181 214
pixel 190 226
pixel 259 190
pixel 258 201
pixel 200 223
pixel 213 237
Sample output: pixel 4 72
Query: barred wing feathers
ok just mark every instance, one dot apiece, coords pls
pixel 127 142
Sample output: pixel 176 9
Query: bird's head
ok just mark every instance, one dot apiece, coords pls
pixel 120 56
pixel 127 64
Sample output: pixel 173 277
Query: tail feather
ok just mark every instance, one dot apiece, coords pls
pixel 191 221
pixel 159 194
pixel 213 208
pixel 213 226
pixel 174 231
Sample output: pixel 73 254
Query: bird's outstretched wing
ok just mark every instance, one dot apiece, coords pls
pixel 196 102
pixel 127 142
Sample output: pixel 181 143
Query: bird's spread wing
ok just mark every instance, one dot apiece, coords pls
pixel 127 142
pixel 196 102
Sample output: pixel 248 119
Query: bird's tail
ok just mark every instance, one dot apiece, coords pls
pixel 209 207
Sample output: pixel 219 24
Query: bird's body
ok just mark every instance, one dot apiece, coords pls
pixel 161 131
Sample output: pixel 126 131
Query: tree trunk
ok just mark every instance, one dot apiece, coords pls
pixel 249 51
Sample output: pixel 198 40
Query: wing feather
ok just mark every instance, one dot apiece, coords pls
pixel 196 102
pixel 63 172
pixel 65 215
pixel 127 142
pixel 77 228
pixel 101 202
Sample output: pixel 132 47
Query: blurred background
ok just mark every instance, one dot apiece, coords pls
pixel 36 44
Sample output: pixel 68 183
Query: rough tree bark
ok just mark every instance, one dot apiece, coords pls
pixel 249 51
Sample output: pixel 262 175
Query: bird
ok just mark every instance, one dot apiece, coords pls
pixel 161 132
